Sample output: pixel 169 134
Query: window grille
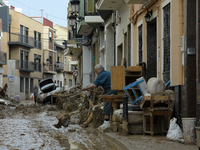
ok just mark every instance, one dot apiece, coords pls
pixel 140 43
pixel 166 42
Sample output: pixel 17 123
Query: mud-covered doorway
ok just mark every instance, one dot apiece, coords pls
pixel 151 49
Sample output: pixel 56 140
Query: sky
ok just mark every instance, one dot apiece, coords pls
pixel 54 10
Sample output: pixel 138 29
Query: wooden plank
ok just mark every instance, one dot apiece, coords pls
pixel 146 100
pixel 117 77
pixel 135 68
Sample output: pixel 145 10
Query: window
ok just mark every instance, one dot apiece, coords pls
pixel 60 83
pixel 23 34
pixel 23 59
pixel 166 42
pixel 50 59
pixel 21 84
pixel 70 82
pixel 37 66
pixel 89 6
pixel 50 36
pixel 37 39
pixel 140 44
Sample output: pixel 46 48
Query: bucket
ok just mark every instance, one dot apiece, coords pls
pixel 189 130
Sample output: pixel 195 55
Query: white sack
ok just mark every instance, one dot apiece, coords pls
pixel 155 85
pixel 134 117
pixel 174 132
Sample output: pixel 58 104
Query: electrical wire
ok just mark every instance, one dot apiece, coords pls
pixel 35 30
pixel 39 11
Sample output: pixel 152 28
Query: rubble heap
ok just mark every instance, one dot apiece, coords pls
pixel 76 105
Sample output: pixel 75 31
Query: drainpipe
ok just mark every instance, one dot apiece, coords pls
pixel 114 29
pixel 114 44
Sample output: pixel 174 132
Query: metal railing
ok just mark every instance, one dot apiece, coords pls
pixel 3 58
pixel 37 67
pixel 25 65
pixel 24 39
pixel 37 44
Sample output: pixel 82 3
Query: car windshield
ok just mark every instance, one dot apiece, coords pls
pixel 45 82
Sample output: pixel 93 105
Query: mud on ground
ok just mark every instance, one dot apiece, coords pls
pixel 30 126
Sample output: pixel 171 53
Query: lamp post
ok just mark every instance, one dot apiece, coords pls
pixel 47 61
pixel 75 6
pixel 73 18
pixel 148 16
pixel 37 59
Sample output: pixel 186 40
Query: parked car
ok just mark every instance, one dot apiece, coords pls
pixel 46 88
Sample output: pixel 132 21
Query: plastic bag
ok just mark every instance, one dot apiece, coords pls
pixel 32 96
pixel 174 133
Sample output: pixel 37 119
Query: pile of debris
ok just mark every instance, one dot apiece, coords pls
pixel 76 105
pixel 5 100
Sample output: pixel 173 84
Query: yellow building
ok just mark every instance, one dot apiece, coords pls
pixel 23 45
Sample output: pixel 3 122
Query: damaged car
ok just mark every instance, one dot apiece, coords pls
pixel 46 88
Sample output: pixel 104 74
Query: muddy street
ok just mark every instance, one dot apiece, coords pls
pixel 30 126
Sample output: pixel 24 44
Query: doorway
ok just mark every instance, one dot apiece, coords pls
pixel 151 49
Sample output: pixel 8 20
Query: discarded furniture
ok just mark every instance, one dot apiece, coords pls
pixel 121 77
pixel 115 99
pixel 140 84
pixel 158 104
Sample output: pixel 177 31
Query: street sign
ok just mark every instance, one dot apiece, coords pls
pixel 75 73
pixel 10 78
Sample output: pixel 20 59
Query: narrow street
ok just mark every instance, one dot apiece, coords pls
pixel 30 126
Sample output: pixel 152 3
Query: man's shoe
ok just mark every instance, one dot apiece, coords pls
pixel 104 126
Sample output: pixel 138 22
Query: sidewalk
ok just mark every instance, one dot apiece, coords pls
pixel 148 142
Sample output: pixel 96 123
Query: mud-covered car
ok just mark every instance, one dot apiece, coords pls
pixel 46 88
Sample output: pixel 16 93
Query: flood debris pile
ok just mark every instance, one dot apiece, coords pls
pixel 5 100
pixel 77 105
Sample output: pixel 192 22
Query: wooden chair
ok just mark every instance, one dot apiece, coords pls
pixel 160 105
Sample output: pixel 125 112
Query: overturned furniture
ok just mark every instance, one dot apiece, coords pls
pixel 158 104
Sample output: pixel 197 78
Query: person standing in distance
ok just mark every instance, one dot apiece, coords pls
pixel 35 91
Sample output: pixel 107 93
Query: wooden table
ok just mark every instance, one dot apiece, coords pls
pixel 115 99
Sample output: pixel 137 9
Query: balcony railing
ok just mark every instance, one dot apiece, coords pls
pixel 59 66
pixel 37 44
pixel 25 65
pixel 3 58
pixel 37 67
pixel 19 39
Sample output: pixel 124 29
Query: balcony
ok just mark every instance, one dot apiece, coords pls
pixel 3 58
pixel 94 21
pixel 22 40
pixel 59 66
pixel 109 4
pixel 135 1
pixel 106 7
pixel 25 65
pixel 37 44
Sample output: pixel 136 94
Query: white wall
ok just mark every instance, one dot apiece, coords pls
pixel 14 86
pixel 86 65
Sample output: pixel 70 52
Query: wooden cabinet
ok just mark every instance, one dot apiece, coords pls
pixel 121 77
